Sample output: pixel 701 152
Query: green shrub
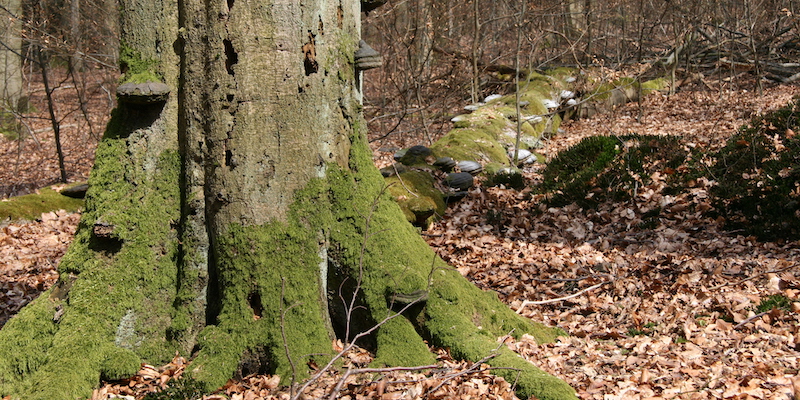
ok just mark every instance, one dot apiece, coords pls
pixel 758 177
pixel 601 168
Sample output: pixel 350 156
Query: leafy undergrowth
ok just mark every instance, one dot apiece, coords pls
pixel 661 300
pixel 758 174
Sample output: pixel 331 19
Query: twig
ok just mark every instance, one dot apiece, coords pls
pixel 351 371
pixel 556 300
pixel 394 166
pixel 348 347
pixel 750 278
pixel 750 319
pixel 472 368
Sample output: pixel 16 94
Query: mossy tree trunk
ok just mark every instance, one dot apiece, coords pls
pixel 238 221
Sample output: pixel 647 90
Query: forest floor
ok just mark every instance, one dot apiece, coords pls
pixel 664 309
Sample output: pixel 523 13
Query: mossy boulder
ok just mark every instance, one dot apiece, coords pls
pixel 31 206
pixel 417 195
pixel 604 96
pixel 758 176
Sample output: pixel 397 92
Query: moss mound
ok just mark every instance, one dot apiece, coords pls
pixel 31 206
pixel 758 177
pixel 601 168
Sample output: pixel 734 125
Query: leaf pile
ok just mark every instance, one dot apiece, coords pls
pixel 450 379
pixel 29 254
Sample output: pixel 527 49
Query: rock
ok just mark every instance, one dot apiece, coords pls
pixel 523 156
pixel 445 164
pixel 76 191
pixel 508 177
pixel 415 155
pixel 453 197
pixel 393 170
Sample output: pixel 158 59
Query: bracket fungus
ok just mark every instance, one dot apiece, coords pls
pixel 369 5
pixel 147 93
pixel 366 57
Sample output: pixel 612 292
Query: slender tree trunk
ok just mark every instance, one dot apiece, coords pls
pixel 11 54
pixel 242 222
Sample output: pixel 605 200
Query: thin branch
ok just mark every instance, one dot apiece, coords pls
pixel 556 300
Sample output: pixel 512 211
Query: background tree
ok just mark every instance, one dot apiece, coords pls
pixel 10 55
pixel 234 214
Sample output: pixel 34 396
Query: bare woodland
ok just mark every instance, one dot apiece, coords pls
pixel 725 61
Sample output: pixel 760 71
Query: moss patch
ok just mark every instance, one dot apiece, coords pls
pixel 135 68
pixel 31 206
pixel 269 281
pixel 115 289
pixel 417 196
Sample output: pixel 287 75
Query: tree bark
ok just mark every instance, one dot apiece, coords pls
pixel 11 55
pixel 242 221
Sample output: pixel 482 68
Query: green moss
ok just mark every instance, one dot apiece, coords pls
pixel 775 301
pixel 180 389
pixel 416 194
pixel 119 364
pixel 504 175
pixel 468 322
pixel 120 288
pixel 470 144
pixel 562 73
pixel 31 206
pixel 219 356
pixel 655 84
pixel 135 68
pixel 268 277
pixel 606 90
pixel 397 334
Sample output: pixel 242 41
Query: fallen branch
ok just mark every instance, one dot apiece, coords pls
pixel 556 300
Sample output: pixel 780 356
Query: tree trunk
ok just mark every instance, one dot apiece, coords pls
pixel 242 221
pixel 11 55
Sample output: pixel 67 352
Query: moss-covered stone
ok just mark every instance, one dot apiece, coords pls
pixel 504 175
pixel 31 206
pixel 417 196
pixel 470 144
